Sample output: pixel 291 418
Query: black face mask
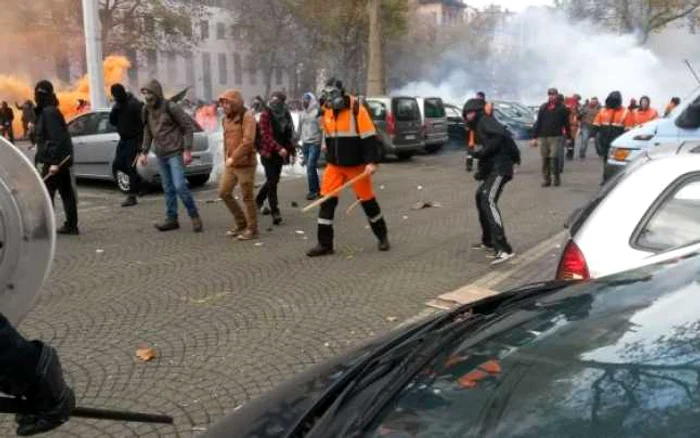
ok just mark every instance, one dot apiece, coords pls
pixel 334 98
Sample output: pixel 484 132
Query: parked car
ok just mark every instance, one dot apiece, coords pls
pixel 398 122
pixel 519 123
pixel 456 127
pixel 94 146
pixel 651 206
pixel 606 358
pixel 434 123
pixel 517 110
pixel 683 124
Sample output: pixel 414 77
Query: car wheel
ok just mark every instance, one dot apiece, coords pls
pixel 123 181
pixel 198 180
pixel 405 155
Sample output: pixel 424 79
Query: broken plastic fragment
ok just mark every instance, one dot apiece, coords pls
pixel 146 354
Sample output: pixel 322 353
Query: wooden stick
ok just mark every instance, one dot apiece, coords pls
pixel 334 192
pixel 352 206
pixel 64 161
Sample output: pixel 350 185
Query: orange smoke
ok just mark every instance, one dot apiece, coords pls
pixel 15 89
pixel 207 118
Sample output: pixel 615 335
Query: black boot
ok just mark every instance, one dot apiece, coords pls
pixel 68 230
pixel 168 225
pixel 319 251
pixel 547 172
pixel 130 200
pixel 276 218
pixel 556 172
pixel 325 232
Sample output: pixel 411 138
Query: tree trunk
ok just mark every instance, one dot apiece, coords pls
pixel 375 68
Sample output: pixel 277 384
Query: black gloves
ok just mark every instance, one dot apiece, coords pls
pixel 51 401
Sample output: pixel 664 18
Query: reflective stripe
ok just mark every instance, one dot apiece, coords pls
pixel 368 134
pixel 322 221
pixel 376 219
pixel 492 198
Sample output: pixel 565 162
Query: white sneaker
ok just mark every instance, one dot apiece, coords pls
pixel 502 257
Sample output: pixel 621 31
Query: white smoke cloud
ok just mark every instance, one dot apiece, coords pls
pixel 540 48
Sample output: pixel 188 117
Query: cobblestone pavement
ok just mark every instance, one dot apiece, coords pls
pixel 230 320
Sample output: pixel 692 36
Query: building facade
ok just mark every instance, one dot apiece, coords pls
pixel 443 12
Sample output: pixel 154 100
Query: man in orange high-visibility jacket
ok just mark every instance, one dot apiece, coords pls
pixel 611 122
pixel 352 149
pixel 644 113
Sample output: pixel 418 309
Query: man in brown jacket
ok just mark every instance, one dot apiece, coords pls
pixel 240 160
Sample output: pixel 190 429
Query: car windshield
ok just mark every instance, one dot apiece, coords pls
pixel 434 109
pixel 406 109
pixel 615 358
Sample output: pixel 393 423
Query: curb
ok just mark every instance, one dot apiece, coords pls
pixel 483 286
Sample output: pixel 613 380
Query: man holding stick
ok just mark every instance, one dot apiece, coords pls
pixel 54 153
pixel 352 150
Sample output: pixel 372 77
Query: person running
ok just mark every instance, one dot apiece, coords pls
pixel 170 131
pixel 127 117
pixel 275 145
pixel 353 151
pixel 311 137
pixel 498 155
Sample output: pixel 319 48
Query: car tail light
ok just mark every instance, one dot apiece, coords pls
pixel 619 154
pixel 572 265
pixel 390 124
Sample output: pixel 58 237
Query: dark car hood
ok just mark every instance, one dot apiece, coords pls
pixel 273 413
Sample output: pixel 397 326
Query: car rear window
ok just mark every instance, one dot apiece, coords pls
pixel 406 110
pixel 434 109
pixel 377 110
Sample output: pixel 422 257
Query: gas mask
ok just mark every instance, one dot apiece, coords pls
pixel 334 98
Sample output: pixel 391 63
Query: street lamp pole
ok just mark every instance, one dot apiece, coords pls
pixel 93 53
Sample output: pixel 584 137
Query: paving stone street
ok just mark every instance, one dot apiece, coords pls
pixel 230 320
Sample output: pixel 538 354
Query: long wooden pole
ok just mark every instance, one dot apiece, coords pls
pixel 64 161
pixel 334 192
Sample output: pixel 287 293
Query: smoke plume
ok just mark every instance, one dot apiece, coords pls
pixel 540 48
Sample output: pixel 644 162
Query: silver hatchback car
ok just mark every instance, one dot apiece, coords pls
pixel 95 142
pixel 650 207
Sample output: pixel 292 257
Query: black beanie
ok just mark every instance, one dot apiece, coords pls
pixel 118 92
pixel 44 87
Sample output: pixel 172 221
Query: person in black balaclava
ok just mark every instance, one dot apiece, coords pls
pixel 611 122
pixel 127 117
pixel 54 155
pixel 497 157
pixel 7 116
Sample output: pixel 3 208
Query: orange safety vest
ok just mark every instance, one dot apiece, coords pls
pixel 641 116
pixel 619 118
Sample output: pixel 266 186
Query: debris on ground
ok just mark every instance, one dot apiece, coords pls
pixel 425 204
pixel 420 187
pixel 392 318
pixel 269 229
pixel 300 232
pixel 99 251
pixel 212 201
pixel 381 187
pixel 259 243
pixel 404 217
pixel 146 353
pixel 295 204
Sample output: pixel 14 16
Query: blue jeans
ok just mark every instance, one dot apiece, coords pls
pixel 585 139
pixel 172 176
pixel 311 154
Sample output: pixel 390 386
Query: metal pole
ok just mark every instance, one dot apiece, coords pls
pixel 93 52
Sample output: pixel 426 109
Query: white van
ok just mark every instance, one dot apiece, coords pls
pixel 683 124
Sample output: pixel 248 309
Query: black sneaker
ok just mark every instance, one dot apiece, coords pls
pixel 502 257
pixel 265 211
pixel 131 200
pixel 319 251
pixel 276 218
pixel 168 225
pixel 384 245
pixel 68 231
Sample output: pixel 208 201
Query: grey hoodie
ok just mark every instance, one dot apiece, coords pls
pixel 166 126
pixel 309 123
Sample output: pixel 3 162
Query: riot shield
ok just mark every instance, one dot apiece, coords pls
pixel 27 233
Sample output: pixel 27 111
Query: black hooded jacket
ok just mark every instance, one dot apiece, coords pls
pixel 499 151
pixel 51 135
pixel 127 116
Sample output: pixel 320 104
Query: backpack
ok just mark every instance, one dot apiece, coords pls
pixel 276 134
pixel 168 110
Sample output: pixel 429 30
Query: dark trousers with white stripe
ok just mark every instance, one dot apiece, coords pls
pixel 327 213
pixel 492 232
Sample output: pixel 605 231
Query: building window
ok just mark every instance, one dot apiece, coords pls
pixel 204 29
pixel 237 69
pixel 223 71
pixel 172 68
pixel 152 60
pixel 236 32
pixel 220 31
pixel 279 75
pixel 206 73
pixel 252 70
